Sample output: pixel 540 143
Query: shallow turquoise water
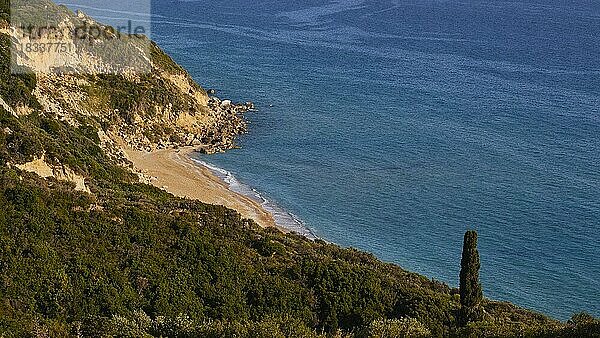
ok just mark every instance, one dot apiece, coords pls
pixel 394 126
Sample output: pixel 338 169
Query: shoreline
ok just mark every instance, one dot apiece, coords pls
pixel 174 171
pixel 284 220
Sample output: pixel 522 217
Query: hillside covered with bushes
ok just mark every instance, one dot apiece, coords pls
pixel 126 259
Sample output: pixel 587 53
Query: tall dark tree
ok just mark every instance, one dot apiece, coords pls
pixel 471 293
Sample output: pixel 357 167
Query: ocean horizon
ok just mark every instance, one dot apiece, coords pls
pixel 394 126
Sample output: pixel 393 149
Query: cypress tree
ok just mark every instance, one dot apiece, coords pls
pixel 471 293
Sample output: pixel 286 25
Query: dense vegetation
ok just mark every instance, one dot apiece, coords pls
pixel 131 260
pixel 4 10
pixel 15 89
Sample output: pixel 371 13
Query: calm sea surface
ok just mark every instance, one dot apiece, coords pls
pixel 394 126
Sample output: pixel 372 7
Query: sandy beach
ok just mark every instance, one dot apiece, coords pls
pixel 173 170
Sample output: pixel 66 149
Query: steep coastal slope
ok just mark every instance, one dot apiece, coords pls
pixel 158 108
pixel 88 249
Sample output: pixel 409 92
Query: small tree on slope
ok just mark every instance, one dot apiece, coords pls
pixel 471 293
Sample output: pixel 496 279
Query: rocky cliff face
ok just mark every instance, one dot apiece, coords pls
pixel 63 173
pixel 146 110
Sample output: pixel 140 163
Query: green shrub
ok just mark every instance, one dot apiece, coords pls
pixel 403 327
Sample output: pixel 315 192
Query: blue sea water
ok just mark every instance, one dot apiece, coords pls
pixel 394 126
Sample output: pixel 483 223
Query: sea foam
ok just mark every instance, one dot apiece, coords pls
pixel 283 218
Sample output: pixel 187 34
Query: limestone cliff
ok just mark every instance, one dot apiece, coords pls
pixel 154 109
pixel 63 173
pixel 127 90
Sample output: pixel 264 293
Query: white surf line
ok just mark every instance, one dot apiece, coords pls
pixel 283 218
